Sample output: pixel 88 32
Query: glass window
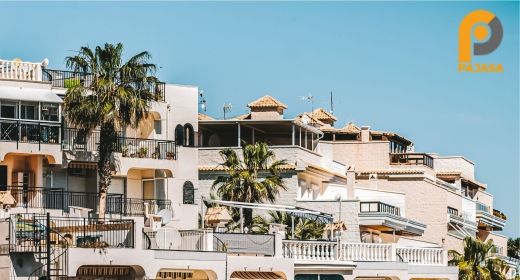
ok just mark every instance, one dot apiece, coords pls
pixel 188 193
pixel 8 110
pixel 29 111
pixel 157 126
pixel 50 112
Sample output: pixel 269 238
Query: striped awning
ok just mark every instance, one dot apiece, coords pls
pixel 254 275
pixel 83 165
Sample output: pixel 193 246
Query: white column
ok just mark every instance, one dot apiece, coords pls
pixel 293 135
pixel 238 137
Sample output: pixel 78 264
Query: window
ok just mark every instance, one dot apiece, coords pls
pixel 50 112
pixel 188 135
pixel 179 135
pixel 8 110
pixel 29 111
pixel 188 193
pixel 157 126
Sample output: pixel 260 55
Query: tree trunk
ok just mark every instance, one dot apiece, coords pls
pixel 107 139
pixel 248 218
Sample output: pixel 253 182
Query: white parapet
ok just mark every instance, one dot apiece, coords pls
pixel 19 70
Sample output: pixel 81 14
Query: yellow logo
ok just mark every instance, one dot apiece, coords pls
pixel 480 33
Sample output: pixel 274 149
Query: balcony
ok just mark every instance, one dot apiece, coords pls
pixel 19 70
pixel 205 240
pixel 384 217
pixel 461 225
pixel 68 79
pixel 486 220
pixel 76 140
pixel 30 132
pixel 411 159
pixel 59 199
pixel 325 251
pixel 28 233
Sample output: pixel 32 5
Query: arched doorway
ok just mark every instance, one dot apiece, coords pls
pixel 179 135
pixel 188 193
pixel 189 135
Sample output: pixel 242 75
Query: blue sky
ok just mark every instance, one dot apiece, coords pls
pixel 391 65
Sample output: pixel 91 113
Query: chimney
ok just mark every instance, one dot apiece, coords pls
pixel 365 133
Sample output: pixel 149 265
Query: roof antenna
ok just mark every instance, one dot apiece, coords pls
pixel 226 108
pixel 331 104
pixel 309 98
pixel 202 101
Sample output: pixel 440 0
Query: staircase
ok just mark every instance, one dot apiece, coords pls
pixel 34 233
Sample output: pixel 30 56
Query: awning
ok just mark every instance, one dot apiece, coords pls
pixel 29 94
pixel 82 165
pixel 254 275
pixel 95 271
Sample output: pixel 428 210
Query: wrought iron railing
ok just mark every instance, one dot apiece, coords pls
pixel 30 132
pixel 411 159
pixel 453 211
pixel 378 207
pixel 78 140
pixel 60 199
pixel 27 232
pixel 142 207
pixel 69 79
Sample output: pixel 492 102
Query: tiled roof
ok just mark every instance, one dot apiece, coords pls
pixel 321 114
pixel 223 168
pixel 335 226
pixel 7 199
pixel 217 215
pixel 266 102
pixel 448 173
pixel 350 128
pixel 203 117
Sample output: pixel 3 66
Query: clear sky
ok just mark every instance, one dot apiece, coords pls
pixel 391 65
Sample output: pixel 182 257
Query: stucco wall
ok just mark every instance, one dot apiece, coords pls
pixel 455 163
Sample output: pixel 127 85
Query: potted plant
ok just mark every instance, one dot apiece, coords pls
pixel 157 153
pixel 124 151
pixel 142 152
pixel 170 155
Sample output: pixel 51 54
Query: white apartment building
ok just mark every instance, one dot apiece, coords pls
pixel 403 210
pixel 48 192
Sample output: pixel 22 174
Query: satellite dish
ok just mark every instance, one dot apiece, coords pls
pixel 306 119
pixel 166 215
pixel 168 238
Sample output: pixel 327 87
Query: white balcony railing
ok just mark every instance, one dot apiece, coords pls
pixel 371 252
pixel 324 251
pixel 423 256
pixel 310 250
pixel 19 70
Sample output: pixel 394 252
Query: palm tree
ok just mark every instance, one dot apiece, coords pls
pixel 478 262
pixel 255 177
pixel 513 248
pixel 117 95
pixel 304 229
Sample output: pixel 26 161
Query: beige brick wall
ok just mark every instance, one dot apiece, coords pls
pixel 362 155
pixel 457 163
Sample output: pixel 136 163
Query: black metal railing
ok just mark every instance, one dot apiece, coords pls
pixel 27 232
pixel 30 132
pixel 378 207
pixel 142 207
pixel 69 79
pixel 59 199
pixel 78 140
pixel 453 211
pixel 146 148
pixel 241 243
pixel 412 159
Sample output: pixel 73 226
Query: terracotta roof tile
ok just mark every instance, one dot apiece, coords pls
pixel 223 168
pixel 266 102
pixel 321 114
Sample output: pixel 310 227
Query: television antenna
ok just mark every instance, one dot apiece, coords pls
pixel 226 108
pixel 202 101
pixel 309 98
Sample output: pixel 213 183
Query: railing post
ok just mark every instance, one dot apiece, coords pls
pixel 39 136
pixel 393 252
pixel 444 257
pixel 48 244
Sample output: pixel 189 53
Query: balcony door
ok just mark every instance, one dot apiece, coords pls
pixel 154 188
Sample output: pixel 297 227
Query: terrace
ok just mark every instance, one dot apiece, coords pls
pixel 60 199
pixel 383 217
pixel 77 140
pixel 488 219
pixel 36 72
pixel 411 159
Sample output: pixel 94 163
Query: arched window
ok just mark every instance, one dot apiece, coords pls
pixel 188 135
pixel 179 135
pixel 188 193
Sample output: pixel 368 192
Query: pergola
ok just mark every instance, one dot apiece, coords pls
pixel 293 211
